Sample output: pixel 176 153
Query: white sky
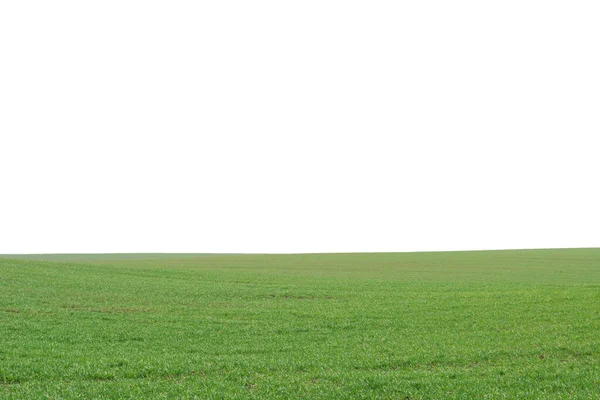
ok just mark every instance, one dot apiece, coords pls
pixel 304 126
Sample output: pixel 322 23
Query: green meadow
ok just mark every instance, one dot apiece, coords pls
pixel 518 324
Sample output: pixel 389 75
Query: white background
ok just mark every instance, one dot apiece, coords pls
pixel 298 126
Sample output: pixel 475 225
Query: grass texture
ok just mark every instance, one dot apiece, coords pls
pixel 450 325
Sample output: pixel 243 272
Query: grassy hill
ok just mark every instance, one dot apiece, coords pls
pixel 482 324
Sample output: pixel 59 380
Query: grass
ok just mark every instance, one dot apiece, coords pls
pixel 458 325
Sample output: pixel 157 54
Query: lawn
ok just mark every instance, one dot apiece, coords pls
pixel 512 324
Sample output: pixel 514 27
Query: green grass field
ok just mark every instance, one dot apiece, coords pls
pixel 458 325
